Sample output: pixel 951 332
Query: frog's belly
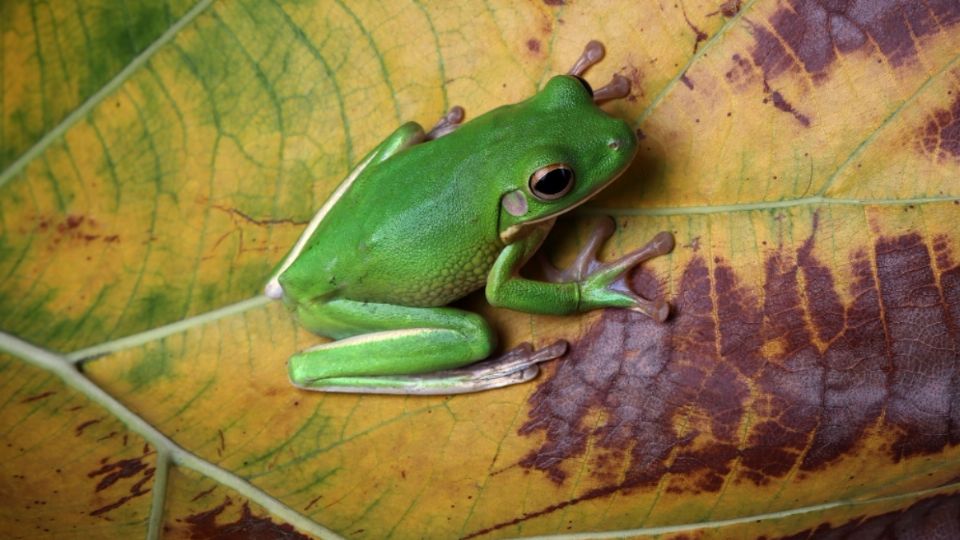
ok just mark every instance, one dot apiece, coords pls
pixel 435 284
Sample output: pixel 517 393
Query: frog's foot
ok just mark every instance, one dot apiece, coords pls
pixel 447 124
pixel 513 367
pixel 604 284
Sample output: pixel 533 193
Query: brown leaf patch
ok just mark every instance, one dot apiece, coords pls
pixel 823 370
pixel 112 472
pixel 205 525
pixel 940 137
pixel 810 34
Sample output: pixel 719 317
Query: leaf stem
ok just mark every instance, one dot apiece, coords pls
pixel 701 526
pixel 764 205
pixel 160 477
pixel 161 332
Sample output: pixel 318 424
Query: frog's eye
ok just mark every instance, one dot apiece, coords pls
pixel 551 182
pixel 585 84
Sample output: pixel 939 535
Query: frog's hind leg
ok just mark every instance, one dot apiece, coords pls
pixel 407 350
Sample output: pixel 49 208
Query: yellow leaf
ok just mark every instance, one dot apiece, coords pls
pixel 157 160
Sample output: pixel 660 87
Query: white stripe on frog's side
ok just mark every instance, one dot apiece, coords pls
pixel 273 288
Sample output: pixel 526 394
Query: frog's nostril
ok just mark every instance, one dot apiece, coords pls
pixel 614 144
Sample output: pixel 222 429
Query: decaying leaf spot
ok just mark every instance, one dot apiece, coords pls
pixel 740 73
pixel 42 395
pixel 781 103
pixel 730 8
pixel 698 34
pixel 204 525
pixel 84 425
pixel 812 33
pixel 72 229
pixel 940 137
pixel 112 472
pixel 820 374
pixel 935 517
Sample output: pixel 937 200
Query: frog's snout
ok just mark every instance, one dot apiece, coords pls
pixel 623 139
pixel 273 289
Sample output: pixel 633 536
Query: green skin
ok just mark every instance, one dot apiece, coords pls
pixel 422 222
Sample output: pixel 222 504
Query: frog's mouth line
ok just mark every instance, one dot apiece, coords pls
pixel 512 232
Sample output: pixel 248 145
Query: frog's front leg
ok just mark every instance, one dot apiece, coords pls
pixel 587 284
pixel 609 285
pixel 391 349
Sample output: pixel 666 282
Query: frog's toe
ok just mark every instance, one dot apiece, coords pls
pixel 617 88
pixel 658 310
pixel 592 54
pixel 663 243
pixel 519 359
pixel 448 123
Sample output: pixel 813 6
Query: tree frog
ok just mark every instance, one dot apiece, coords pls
pixel 428 217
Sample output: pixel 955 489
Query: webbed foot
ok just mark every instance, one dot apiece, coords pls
pixel 604 284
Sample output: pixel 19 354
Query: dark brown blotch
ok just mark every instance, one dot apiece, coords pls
pixel 125 469
pixel 923 345
pixel 741 72
pixel 939 138
pixel 205 525
pixel 730 8
pixel 699 35
pixel 814 32
pixel 781 103
pixel 826 372
pixel 642 395
pixel 84 425
pixel 37 397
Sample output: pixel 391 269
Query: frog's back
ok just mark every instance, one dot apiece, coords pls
pixel 425 240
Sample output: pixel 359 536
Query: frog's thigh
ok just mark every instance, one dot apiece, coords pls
pixel 401 341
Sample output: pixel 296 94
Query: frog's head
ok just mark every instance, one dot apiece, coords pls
pixel 573 149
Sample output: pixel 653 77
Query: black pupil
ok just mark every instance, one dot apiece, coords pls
pixel 585 85
pixel 554 181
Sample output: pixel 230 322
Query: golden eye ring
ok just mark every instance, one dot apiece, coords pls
pixel 552 182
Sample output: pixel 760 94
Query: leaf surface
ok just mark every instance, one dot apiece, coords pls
pixel 157 162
